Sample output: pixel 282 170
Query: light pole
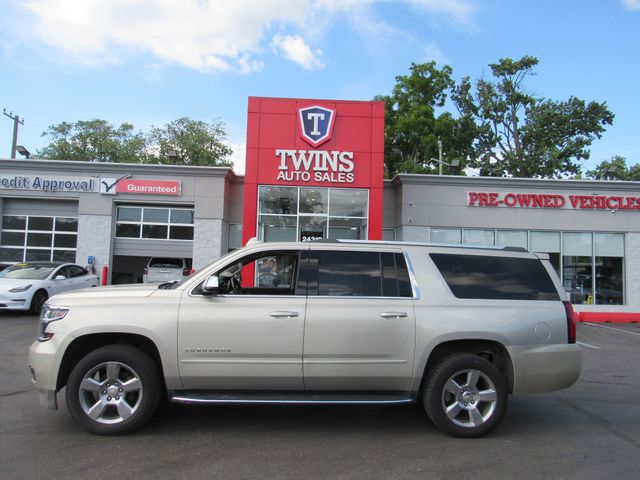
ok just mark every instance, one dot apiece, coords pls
pixel 23 151
pixel 454 166
pixel 439 156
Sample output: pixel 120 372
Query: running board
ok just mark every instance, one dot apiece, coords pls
pixel 205 397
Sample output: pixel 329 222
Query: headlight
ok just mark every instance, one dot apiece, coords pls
pixel 50 313
pixel 22 288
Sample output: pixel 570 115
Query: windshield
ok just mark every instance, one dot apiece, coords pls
pixel 27 272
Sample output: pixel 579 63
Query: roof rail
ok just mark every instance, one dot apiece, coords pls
pixel 431 244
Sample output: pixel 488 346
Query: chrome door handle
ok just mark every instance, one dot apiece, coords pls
pixel 283 314
pixel 393 314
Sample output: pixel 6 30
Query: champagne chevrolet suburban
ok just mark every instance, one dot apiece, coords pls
pixel 455 329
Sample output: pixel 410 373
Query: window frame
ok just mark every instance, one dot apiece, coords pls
pixel 252 257
pixel 326 216
pixel 142 223
pixel 312 275
pixel 26 231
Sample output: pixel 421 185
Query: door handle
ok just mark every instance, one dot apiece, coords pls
pixel 282 314
pixel 393 314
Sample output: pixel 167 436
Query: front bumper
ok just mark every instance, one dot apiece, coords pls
pixel 544 368
pixel 44 363
pixel 16 301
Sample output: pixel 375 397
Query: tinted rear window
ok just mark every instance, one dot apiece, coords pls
pixel 496 278
pixel 165 263
pixel 362 274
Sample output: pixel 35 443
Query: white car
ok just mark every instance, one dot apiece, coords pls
pixel 26 286
pixel 162 269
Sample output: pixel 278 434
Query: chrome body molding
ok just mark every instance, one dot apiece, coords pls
pixel 204 397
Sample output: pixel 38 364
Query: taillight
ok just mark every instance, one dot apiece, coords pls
pixel 571 322
pixel 187 271
pixel 146 271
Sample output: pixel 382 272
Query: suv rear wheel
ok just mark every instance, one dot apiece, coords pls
pixel 114 390
pixel 465 395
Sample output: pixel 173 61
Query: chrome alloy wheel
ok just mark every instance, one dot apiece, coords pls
pixel 110 392
pixel 469 398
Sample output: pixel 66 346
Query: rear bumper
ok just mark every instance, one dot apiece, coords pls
pixel 543 368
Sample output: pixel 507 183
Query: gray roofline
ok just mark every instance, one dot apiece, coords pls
pixel 117 168
pixel 504 182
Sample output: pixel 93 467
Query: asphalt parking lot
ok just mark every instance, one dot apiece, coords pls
pixel 590 431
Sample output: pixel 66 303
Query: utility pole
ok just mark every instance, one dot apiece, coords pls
pixel 439 156
pixel 16 122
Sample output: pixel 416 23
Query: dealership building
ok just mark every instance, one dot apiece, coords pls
pixel 315 170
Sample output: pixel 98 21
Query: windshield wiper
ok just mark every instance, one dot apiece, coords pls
pixel 167 285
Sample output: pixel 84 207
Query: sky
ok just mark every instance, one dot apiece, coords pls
pixel 148 62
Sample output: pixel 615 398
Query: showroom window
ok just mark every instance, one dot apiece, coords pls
pixel 234 240
pixel 28 238
pixel 310 213
pixel 590 265
pixel 161 223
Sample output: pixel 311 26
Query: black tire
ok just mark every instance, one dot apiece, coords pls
pixel 37 301
pixel 480 397
pixel 120 385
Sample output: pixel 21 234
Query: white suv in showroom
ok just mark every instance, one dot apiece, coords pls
pixel 455 329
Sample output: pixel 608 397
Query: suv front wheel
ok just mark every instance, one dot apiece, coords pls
pixel 465 395
pixel 114 390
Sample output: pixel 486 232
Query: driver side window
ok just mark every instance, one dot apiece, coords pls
pixel 64 271
pixel 267 273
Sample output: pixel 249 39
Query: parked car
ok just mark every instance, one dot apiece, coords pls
pixel 162 269
pixel 455 329
pixel 26 286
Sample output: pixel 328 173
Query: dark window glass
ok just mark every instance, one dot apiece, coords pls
pixel 13 222
pixel 127 230
pixel 39 239
pixel 389 277
pixel 181 233
pixel 64 256
pixel 11 254
pixel 65 241
pixel 165 263
pixel 609 281
pixel 38 255
pixel 404 284
pixel 395 277
pixel 76 271
pixel 64 271
pixel 41 223
pixel 12 238
pixel 496 278
pixel 66 224
pixel 578 278
pixel 346 274
pixel 154 231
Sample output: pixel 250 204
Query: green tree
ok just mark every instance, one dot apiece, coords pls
pixel 413 124
pixel 521 135
pixel 194 142
pixel 94 140
pixel 615 169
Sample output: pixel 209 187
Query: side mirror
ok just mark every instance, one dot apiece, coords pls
pixel 211 284
pixel 60 277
